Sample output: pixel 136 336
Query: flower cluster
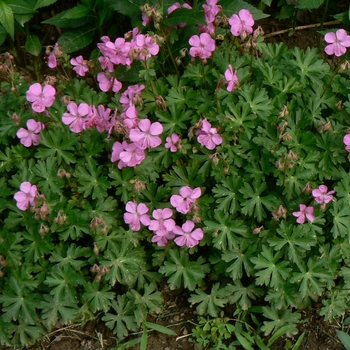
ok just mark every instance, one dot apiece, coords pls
pixel 208 136
pixel 162 224
pixel 211 9
pixel 322 196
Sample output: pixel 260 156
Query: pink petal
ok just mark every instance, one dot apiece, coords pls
pixel 188 226
pixel 156 128
pixel 131 207
pixel 25 187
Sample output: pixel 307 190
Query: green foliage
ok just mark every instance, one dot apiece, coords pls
pixel 82 251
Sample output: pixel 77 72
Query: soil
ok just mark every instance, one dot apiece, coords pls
pixel 178 314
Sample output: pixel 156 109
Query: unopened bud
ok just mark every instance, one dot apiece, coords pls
pixel 339 105
pixel 96 249
pixel 2 262
pixel 280 212
pixel 257 230
pixel 307 188
pixel 284 111
pixel 292 156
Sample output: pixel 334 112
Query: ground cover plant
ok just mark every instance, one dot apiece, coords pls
pixel 188 151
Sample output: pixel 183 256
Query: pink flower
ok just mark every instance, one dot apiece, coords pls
pixel 305 211
pixel 106 82
pixel 130 97
pixel 232 78
pixel 76 116
pixel 26 195
pixel 338 42
pixel 171 142
pixel 146 19
pixel 127 154
pixel 346 141
pixel 99 118
pixel 145 46
pixel 52 60
pixel 55 53
pixel 208 136
pixel 183 202
pixel 174 7
pixel 202 46
pixel 322 195
pixel 162 224
pixel 187 236
pixel 29 137
pixel 242 22
pixel 162 240
pixel 40 97
pixel 80 65
pixel 211 9
pixel 135 215
pixel 145 136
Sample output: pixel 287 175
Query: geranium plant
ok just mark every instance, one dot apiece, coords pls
pixel 218 166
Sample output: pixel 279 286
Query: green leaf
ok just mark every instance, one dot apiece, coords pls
pixel 241 257
pixel 280 318
pixel 254 201
pixel 57 143
pixel 311 279
pixel 309 66
pixel 5 330
pixel 43 3
pixel 229 7
pixel 21 6
pixel 227 194
pixel 159 328
pixel 183 271
pixel 225 230
pixel 59 21
pixel 76 39
pixel 47 171
pixel 18 304
pixel 90 180
pixel 296 239
pixel 149 302
pixel 70 256
pixel 97 297
pixel 309 4
pixel 258 100
pixel 6 18
pixel 3 35
pixel 344 338
pixel 26 334
pixel 124 262
pixel 76 12
pixel 183 15
pixel 33 45
pixel 242 295
pixel 124 319
pixel 63 280
pixel 210 303
pixel 130 8
pixel 54 310
pixel 341 216
pixel 270 271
